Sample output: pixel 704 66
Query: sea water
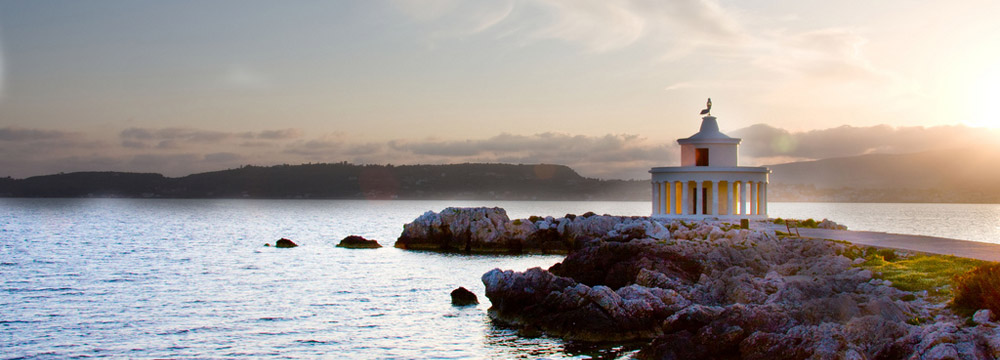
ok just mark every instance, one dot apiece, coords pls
pixel 192 278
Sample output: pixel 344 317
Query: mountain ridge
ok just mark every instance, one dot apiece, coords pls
pixel 960 175
pixel 339 181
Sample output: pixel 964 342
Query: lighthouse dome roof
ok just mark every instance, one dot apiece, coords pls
pixel 709 133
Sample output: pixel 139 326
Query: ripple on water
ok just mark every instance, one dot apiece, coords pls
pixel 189 278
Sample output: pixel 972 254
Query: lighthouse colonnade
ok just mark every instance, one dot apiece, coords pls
pixel 707 193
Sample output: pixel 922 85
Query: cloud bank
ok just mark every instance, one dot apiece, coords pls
pixel 182 151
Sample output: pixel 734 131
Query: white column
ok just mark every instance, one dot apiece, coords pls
pixel 652 197
pixel 758 197
pixel 715 198
pixel 753 198
pixel 685 206
pixel 729 198
pixel 743 197
pixel 671 197
pixel 763 203
pixel 666 196
pixel 699 203
pixel 659 198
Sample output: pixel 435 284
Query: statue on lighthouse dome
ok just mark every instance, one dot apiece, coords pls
pixel 709 183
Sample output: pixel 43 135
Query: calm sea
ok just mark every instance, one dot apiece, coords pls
pixel 191 278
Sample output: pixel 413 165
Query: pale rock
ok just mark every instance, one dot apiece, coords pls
pixel 943 351
pixel 981 317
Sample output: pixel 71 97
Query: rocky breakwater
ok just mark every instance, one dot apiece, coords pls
pixel 711 291
pixel 490 230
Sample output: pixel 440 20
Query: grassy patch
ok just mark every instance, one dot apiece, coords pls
pixel 933 273
pixel 807 223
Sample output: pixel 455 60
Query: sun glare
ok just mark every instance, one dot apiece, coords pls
pixel 984 109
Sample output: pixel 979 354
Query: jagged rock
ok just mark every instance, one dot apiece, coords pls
pixel 709 290
pixel 464 229
pixel 617 264
pixel 489 230
pixel 358 242
pixel 463 297
pixel 561 306
pixel 829 224
pixel 285 243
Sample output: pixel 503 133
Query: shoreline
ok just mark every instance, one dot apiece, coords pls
pixel 919 243
pixel 708 289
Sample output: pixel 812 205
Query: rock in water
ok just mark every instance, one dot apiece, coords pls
pixel 285 243
pixel 357 242
pixel 489 230
pixel 463 297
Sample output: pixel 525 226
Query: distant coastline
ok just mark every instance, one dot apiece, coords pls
pixel 339 181
pixel 470 181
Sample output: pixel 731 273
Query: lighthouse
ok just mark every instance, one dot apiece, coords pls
pixel 709 183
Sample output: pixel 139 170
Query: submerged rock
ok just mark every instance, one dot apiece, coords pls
pixel 285 243
pixel 357 242
pixel 463 297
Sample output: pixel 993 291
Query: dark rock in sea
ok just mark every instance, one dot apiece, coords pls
pixel 463 297
pixel 285 243
pixel 357 242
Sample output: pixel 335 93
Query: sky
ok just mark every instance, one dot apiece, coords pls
pixel 604 86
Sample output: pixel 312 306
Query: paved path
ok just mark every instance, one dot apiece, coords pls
pixel 928 244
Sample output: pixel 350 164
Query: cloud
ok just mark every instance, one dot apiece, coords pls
pixel 3 70
pixel 598 25
pixel 317 149
pixel 174 134
pixel 768 144
pixel 279 134
pixel 173 138
pixel 608 156
pixel 244 76
pixel 14 134
pixel 134 144
pixel 826 65
pixel 224 157
pixel 457 17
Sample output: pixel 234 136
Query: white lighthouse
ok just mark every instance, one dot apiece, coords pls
pixel 709 183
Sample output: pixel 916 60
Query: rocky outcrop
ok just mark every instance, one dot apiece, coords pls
pixel 829 224
pixel 463 297
pixel 285 243
pixel 489 230
pixel 358 242
pixel 711 290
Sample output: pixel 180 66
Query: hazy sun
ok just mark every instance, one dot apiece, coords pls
pixel 984 101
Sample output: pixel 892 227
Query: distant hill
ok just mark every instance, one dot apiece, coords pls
pixel 951 175
pixel 340 181
pixel 969 175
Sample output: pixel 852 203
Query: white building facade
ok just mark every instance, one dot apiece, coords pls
pixel 709 183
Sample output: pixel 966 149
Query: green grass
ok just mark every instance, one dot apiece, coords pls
pixel 933 273
pixel 807 223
